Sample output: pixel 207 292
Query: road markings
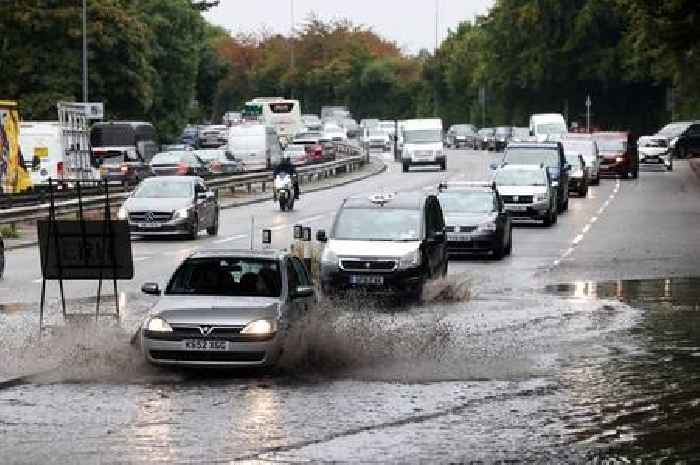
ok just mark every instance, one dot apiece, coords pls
pixel 579 238
pixel 312 219
pixel 231 239
pixel 37 281
pixel 140 259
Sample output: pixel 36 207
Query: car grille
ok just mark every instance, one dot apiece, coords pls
pixel 423 153
pixel 464 229
pixel 368 265
pixel 206 356
pixel 520 198
pixel 145 217
pixel 193 332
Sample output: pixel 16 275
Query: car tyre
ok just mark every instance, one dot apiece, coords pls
pixel 596 181
pixel 2 258
pixel 509 247
pixel 213 230
pixel 583 192
pixel 195 229
pixel 669 167
pixel 551 218
pixel 405 167
pixel 499 251
pixel 443 166
pixel 635 174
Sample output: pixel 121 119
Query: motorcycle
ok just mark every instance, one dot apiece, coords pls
pixel 284 191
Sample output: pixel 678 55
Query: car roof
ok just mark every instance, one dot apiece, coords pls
pixel 172 178
pixel 522 167
pixel 611 134
pixel 274 254
pixel 403 200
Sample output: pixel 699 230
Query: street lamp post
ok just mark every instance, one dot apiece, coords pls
pixel 85 60
pixel 292 58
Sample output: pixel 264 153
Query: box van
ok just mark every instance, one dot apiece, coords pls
pixel 256 145
pixel 121 150
pixel 547 126
pixel 42 148
pixel 422 143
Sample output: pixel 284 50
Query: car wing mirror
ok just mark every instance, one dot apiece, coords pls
pixel 151 289
pixel 321 236
pixel 303 291
pixel 493 166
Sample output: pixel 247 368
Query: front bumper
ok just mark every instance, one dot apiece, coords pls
pixel 475 242
pixel 424 162
pixel 396 282
pixel 179 226
pixel 576 184
pixel 664 159
pixel 536 210
pixel 612 167
pixel 238 353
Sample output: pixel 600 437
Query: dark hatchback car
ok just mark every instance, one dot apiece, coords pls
pixel 486 138
pixel 475 219
pixel 461 136
pixel 548 154
pixel 618 154
pixel 579 178
pixel 171 205
pixel 385 244
pixel 178 163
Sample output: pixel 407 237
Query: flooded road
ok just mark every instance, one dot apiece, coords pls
pixel 574 372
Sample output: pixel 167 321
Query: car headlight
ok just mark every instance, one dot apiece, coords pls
pixel 122 214
pixel 410 260
pixel 540 197
pixel 619 159
pixel 329 257
pixel 577 173
pixel 488 226
pixel 260 328
pixel 673 142
pixel 555 183
pixel 438 153
pixel 181 214
pixel 158 325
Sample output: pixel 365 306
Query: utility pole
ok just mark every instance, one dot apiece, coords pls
pixel 437 19
pixel 85 60
pixel 292 58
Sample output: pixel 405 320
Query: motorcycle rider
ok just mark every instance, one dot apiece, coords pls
pixel 285 166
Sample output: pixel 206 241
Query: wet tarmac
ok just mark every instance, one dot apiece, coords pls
pixel 578 372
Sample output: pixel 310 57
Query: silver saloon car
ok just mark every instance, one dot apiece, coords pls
pixel 226 308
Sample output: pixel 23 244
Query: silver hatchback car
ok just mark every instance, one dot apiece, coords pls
pixel 226 308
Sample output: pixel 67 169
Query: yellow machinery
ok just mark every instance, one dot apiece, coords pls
pixel 14 177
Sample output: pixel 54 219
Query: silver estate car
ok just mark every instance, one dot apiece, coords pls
pixel 226 308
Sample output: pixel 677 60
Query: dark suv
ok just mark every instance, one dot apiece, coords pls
pixel 548 154
pixel 385 243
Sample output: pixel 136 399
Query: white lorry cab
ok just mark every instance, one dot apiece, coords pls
pixel 547 126
pixel 256 145
pixel 422 143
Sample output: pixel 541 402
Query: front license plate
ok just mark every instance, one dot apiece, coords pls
pixel 367 280
pixel 517 208
pixel 459 237
pixel 149 225
pixel 204 344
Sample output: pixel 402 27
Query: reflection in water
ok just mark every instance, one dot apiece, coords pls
pixel 258 417
pixel 637 395
pixel 149 437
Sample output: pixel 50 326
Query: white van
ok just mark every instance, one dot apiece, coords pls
pixel 42 148
pixel 256 145
pixel 422 143
pixel 547 126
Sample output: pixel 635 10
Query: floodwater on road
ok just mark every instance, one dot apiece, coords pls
pixel 572 373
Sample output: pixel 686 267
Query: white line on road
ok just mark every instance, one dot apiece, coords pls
pixel 578 239
pixel 586 228
pixel 140 259
pixel 37 281
pixel 312 219
pixel 231 239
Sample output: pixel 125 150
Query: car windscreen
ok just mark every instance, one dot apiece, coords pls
pixel 504 131
pixel 419 136
pixel 515 177
pixel 655 143
pixel 377 133
pixel 466 202
pixel 551 128
pixel 486 132
pixel 584 147
pixel 533 156
pixel 164 188
pixel 377 224
pixel 295 148
pixel 462 130
pixel 308 135
pixel 223 276
pixel 168 158
pixel 612 145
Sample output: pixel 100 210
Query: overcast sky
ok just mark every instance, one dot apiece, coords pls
pixel 409 23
